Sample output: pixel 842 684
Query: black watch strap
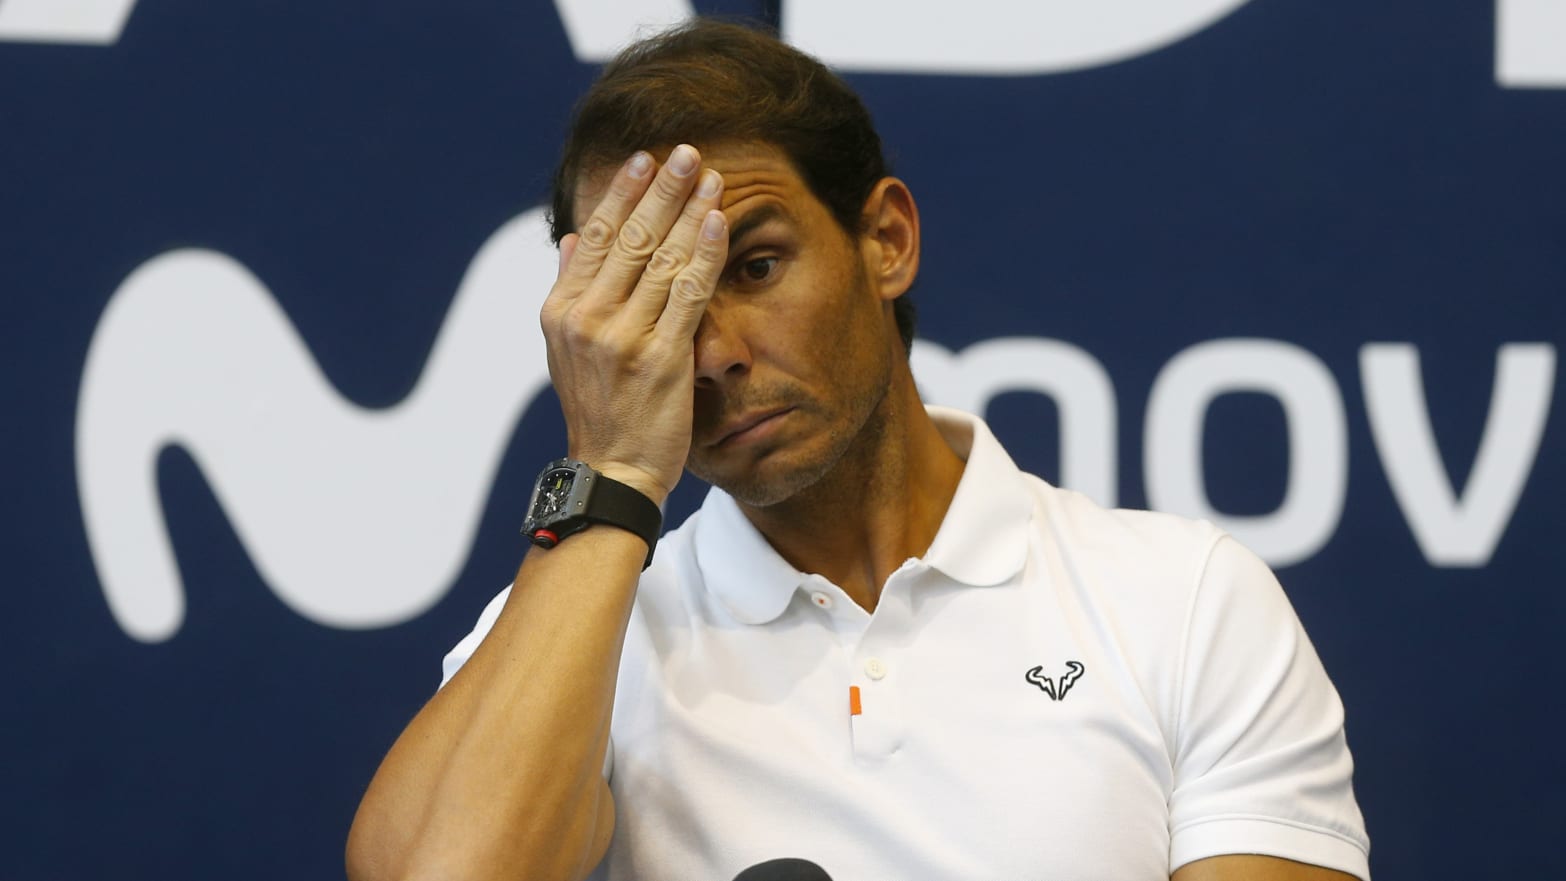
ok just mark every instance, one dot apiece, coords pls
pixel 618 504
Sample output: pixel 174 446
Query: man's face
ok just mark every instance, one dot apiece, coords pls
pixel 795 353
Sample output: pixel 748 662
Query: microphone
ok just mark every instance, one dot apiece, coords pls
pixel 789 869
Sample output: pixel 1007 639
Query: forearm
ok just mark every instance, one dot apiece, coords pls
pixel 500 774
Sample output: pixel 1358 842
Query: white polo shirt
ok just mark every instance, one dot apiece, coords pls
pixel 1055 691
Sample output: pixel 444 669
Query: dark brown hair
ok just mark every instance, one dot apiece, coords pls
pixel 709 82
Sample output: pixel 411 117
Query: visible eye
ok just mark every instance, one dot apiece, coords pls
pixel 758 269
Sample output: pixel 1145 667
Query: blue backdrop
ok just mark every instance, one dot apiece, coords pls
pixel 274 397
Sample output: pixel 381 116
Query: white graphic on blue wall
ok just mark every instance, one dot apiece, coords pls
pixel 362 518
pixel 355 517
pixel 994 37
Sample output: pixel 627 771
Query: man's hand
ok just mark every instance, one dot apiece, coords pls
pixel 621 320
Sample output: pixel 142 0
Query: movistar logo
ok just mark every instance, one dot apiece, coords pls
pixel 355 517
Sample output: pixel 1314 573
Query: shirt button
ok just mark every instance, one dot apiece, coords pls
pixel 875 668
pixel 821 599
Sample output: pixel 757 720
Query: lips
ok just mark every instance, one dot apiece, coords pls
pixel 744 424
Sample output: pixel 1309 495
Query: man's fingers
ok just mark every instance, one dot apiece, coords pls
pixel 599 233
pixel 675 253
pixel 567 248
pixel 694 286
pixel 647 226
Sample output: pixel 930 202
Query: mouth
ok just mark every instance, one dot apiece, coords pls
pixel 749 427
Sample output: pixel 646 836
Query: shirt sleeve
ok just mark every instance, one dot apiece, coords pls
pixel 463 650
pixel 1261 762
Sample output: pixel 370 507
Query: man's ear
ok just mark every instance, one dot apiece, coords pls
pixel 891 237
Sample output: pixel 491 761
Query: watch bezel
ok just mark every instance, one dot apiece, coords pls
pixel 570 516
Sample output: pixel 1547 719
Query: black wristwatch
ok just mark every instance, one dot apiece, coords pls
pixel 570 496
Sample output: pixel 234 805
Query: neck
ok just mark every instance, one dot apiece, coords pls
pixel 879 505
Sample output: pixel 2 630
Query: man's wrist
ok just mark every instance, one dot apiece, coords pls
pixel 635 478
pixel 570 495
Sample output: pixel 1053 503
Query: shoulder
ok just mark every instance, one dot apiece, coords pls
pixel 1166 584
pixel 1145 546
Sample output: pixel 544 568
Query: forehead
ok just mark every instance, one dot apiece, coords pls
pixel 753 174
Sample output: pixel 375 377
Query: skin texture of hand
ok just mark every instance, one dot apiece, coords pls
pixel 622 317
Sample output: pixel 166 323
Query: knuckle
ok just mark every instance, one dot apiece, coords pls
pixel 574 327
pixel 696 208
pixel 670 187
pixel 574 333
pixel 553 316
pixel 635 238
pixel 663 264
pixel 712 253
pixel 645 363
pixel 582 343
pixel 688 288
pixel 596 233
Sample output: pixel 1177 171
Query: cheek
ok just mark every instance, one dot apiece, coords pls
pixel 833 324
pixel 848 346
pixel 819 320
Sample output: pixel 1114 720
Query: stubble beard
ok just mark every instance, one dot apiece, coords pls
pixel 858 426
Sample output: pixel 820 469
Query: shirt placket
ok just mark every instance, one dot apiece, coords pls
pixel 878 721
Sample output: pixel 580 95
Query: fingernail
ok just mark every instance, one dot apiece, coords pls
pixel 710 181
pixel 712 227
pixel 639 165
pixel 683 160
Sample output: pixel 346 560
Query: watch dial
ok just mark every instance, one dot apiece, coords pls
pixel 553 488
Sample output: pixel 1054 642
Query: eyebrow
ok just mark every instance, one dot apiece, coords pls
pixel 750 222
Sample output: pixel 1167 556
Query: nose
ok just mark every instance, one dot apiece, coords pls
pixel 721 352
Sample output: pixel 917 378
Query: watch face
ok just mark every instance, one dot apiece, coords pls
pixel 549 497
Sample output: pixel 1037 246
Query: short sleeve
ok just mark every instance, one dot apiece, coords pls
pixel 1261 762
pixel 463 650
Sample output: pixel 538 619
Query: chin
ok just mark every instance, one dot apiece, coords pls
pixel 757 491
pixel 779 475
pixel 764 485
pixel 796 466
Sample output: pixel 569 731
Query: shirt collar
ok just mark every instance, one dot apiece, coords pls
pixel 737 564
pixel 983 540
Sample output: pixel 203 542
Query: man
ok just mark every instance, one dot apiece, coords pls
pixel 878 645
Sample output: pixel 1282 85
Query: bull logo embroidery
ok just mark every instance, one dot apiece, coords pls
pixel 1056 692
